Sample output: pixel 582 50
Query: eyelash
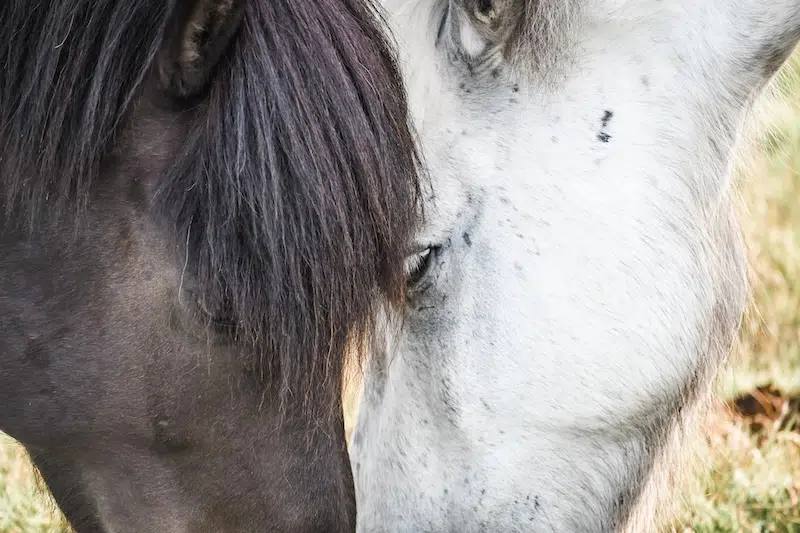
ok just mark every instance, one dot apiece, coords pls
pixel 418 265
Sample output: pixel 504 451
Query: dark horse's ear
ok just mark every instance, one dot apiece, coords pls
pixel 199 35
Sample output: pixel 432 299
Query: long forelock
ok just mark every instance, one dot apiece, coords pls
pixel 295 195
pixel 298 189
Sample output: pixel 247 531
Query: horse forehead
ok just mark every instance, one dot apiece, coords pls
pixel 577 148
pixel 500 137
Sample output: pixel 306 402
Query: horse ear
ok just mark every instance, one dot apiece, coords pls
pixel 199 35
pixel 481 24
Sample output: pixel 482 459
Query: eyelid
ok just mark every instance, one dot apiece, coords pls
pixel 416 260
pixel 419 248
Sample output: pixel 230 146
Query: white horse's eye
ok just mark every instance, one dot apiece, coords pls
pixel 417 265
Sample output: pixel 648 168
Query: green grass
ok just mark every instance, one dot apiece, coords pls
pixel 752 483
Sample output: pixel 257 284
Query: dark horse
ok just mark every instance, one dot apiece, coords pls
pixel 204 201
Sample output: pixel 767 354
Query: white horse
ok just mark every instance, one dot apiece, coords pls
pixel 581 275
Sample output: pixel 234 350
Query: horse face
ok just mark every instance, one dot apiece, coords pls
pixel 586 277
pixel 173 361
pixel 140 414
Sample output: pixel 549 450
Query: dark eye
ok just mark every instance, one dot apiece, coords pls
pixel 205 309
pixel 214 315
pixel 418 264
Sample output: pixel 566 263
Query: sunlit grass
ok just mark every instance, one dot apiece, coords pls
pixel 23 508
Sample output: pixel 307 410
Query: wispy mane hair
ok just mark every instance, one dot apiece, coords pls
pixel 539 35
pixel 294 196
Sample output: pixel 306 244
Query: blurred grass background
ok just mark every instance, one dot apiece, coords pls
pixel 752 483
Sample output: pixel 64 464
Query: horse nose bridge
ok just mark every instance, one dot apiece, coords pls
pixel 232 474
pixel 319 496
pixel 314 473
pixel 295 481
pixel 318 519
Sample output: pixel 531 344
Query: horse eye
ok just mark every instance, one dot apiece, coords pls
pixel 418 264
pixel 200 302
pixel 215 315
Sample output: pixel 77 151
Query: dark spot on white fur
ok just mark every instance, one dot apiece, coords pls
pixel 603 136
pixel 607 115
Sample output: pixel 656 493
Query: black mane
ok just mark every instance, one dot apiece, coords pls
pixel 70 71
pixel 296 189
